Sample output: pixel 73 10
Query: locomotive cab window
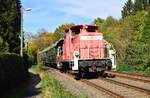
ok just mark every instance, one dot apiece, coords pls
pixel 92 29
pixel 75 32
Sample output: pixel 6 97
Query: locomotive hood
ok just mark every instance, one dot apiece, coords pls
pixel 91 46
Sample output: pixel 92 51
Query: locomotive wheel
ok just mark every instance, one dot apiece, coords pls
pixel 78 76
pixel 64 69
pixel 61 70
pixel 108 68
pixel 103 74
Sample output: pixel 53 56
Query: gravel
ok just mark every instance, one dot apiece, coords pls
pixel 81 89
pixel 77 88
pixel 133 82
pixel 126 92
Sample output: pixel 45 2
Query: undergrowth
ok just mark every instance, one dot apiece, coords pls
pixel 51 88
pixel 134 69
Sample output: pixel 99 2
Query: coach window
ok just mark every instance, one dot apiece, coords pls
pixel 59 51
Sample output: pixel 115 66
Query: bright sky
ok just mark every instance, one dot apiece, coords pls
pixel 49 14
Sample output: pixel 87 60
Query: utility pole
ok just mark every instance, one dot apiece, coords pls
pixel 22 35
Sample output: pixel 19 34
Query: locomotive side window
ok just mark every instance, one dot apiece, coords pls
pixel 75 32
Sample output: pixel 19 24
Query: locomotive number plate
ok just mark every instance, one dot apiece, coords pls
pixel 91 37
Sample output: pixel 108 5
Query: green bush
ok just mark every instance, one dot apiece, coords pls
pixel 12 71
pixel 147 71
pixel 141 69
pixel 125 67
pixel 3 45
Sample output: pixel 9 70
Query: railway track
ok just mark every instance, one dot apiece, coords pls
pixel 127 85
pixel 116 95
pixel 99 88
pixel 95 83
pixel 135 77
pixel 111 93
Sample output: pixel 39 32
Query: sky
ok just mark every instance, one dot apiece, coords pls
pixel 49 14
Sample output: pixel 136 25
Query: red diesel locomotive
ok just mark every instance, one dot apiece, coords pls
pixel 82 50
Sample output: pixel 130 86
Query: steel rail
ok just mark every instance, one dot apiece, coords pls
pixel 127 85
pixel 130 76
pixel 113 94
pixel 109 92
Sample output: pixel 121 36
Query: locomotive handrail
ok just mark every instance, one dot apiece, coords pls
pixel 107 43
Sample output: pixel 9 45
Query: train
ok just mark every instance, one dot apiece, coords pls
pixel 82 50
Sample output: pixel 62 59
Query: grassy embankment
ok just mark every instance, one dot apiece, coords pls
pixel 134 69
pixel 51 88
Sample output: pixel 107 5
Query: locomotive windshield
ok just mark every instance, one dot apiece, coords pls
pixel 92 29
pixel 75 30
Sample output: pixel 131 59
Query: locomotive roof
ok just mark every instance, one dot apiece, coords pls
pixel 78 27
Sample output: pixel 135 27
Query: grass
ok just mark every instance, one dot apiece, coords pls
pixel 134 69
pixel 51 88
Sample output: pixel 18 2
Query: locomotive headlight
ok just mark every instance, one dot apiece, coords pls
pixel 76 53
pixel 75 60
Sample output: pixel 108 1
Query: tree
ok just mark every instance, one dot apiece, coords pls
pixel 38 42
pixel 98 22
pixel 109 22
pixel 130 34
pixel 10 20
pixel 131 8
pixel 127 9
pixel 60 31
pixel 3 46
pixel 138 6
pixel 138 52
pixel 144 39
